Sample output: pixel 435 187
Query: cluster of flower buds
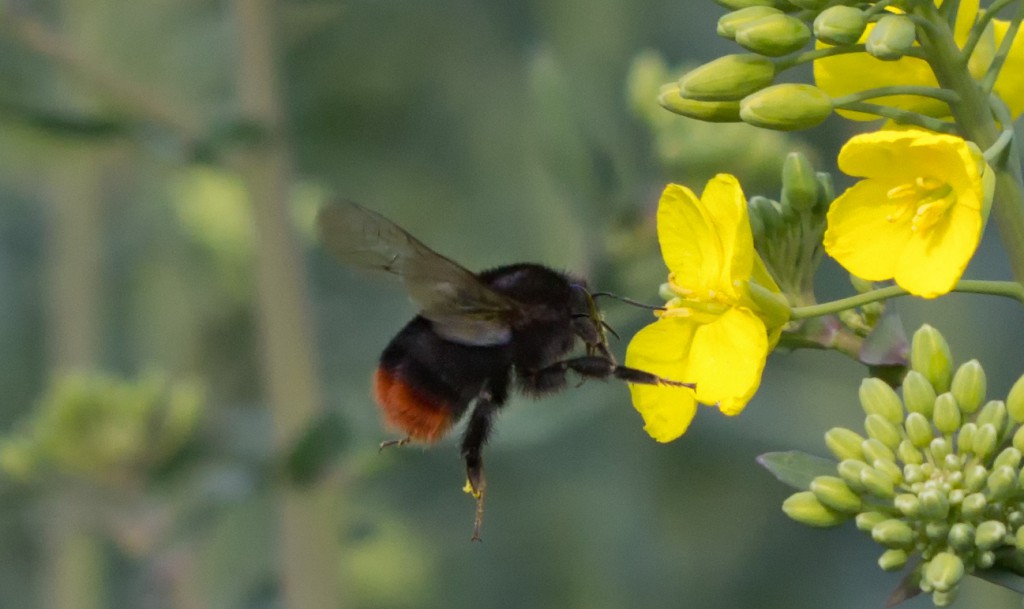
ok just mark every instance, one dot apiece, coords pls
pixel 739 87
pixel 787 232
pixel 102 429
pixel 938 474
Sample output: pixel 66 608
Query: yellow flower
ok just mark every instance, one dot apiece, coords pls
pixel 713 332
pixel 852 72
pixel 918 214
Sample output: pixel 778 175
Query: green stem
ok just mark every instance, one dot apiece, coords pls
pixel 978 29
pixel 943 95
pixel 978 124
pixel 1000 146
pixel 989 81
pixel 1007 289
pixel 808 56
pixel 901 116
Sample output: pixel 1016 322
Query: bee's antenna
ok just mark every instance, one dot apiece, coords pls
pixel 610 329
pixel 635 303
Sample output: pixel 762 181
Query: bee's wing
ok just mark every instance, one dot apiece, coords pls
pixel 462 309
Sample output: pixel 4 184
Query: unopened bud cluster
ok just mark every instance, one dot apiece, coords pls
pixel 936 473
pixel 788 231
pixel 740 86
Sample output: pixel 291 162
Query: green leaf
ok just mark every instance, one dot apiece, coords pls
pixel 796 468
pixel 1002 577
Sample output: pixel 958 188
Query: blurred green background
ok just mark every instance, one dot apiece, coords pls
pixel 185 399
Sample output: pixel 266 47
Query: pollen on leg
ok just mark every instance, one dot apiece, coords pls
pixel 422 416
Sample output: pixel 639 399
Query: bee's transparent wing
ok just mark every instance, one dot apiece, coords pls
pixel 461 307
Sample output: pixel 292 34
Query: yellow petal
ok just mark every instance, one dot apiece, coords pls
pixel 932 263
pixel 854 72
pixel 905 153
pixel 661 349
pixel 726 359
pixel 866 232
pixel 725 207
pixel 689 245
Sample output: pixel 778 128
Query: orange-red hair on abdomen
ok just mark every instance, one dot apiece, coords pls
pixel 423 417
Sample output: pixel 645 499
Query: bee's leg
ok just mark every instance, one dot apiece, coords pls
pixel 477 431
pixel 398 442
pixel 552 377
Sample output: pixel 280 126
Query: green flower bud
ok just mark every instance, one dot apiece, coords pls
pixel 893 533
pixel 956 496
pixel 944 599
pixel 908 454
pixel 805 508
pixel 786 107
pixel 773 35
pixel 975 477
pixel 1015 519
pixel 952 464
pixel 1010 457
pixel 891 37
pixel 890 469
pixel 973 506
pixel 833 493
pixel 799 182
pixel 944 571
pixel 946 415
pixel 930 355
pixel 879 428
pixel 707 111
pixel 827 192
pixel 961 537
pixel 908 504
pixel 844 443
pixel 877 397
pixel 918 393
pixel 728 78
pixel 849 471
pixel 728 23
pixel 876 451
pixel 912 473
pixel 768 211
pixel 969 386
pixel 965 439
pixel 892 559
pixel 936 531
pixel 985 560
pixel 919 429
pixel 994 413
pixel 1018 439
pixel 840 25
pixel 939 448
pixel 990 534
pixel 1002 482
pixel 867 521
pixel 735 5
pixel 984 443
pixel 877 483
pixel 934 504
pixel 1015 401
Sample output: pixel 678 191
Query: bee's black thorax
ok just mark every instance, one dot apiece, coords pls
pixel 545 332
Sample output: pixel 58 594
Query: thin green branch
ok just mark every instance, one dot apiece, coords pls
pixel 988 82
pixel 943 95
pixel 901 116
pixel 877 8
pixel 809 56
pixel 1001 145
pixel 1007 289
pixel 978 29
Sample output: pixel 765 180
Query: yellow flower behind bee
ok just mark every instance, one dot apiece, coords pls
pixel 849 73
pixel 917 215
pixel 717 329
